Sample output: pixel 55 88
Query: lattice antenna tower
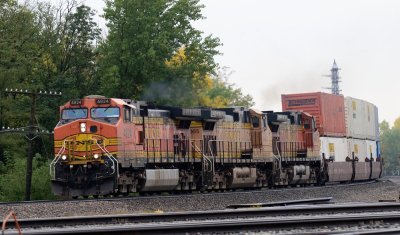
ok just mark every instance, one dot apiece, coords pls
pixel 335 79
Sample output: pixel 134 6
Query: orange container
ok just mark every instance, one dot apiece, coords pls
pixel 327 109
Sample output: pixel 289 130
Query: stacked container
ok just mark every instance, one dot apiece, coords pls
pixel 372 149
pixel 346 125
pixel 361 119
pixel 334 149
pixel 362 124
pixel 329 113
pixel 358 147
pixel 328 110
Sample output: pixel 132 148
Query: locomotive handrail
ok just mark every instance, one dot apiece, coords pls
pixel 55 160
pixel 290 149
pixel 228 141
pixel 212 154
pixel 111 157
pixel 204 156
pixel 197 148
pixel 279 157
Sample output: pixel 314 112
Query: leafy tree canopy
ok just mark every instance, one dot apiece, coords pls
pixel 143 35
pixel 207 90
pixel 390 139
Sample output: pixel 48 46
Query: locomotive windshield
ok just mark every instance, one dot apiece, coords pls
pixel 109 114
pixel 72 114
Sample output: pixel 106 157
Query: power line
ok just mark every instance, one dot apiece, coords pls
pixel 35 130
pixel 31 132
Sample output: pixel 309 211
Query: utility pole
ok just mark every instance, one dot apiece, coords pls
pixel 32 131
pixel 335 79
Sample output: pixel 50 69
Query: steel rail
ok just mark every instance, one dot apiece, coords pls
pixel 282 203
pixel 214 215
pixel 231 225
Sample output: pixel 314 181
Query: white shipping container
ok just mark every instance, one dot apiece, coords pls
pixel 371 149
pixel 377 124
pixel 334 148
pixel 358 147
pixel 361 119
pixel 371 122
pixel 354 118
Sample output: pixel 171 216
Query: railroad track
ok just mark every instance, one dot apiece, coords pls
pixel 239 191
pixel 274 218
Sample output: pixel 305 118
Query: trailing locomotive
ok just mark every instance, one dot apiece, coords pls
pixel 106 146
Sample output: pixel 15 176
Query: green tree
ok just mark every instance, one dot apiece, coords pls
pixel 69 41
pixel 205 89
pixel 143 35
pixel 19 56
pixel 383 127
pixel 390 139
pixel 225 94
pixel 68 37
pixel 18 44
pixel 42 47
pixel 396 124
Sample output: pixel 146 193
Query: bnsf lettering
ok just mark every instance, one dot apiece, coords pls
pixel 301 102
pixel 85 142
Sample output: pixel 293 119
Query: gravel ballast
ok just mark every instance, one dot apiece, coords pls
pixel 384 189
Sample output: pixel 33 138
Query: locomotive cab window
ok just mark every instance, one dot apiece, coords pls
pixel 68 115
pixel 127 114
pixel 307 124
pixel 108 114
pixel 209 126
pixel 264 118
pixel 255 121
pixel 140 137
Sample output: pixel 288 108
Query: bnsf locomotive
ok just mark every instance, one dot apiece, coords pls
pixel 106 146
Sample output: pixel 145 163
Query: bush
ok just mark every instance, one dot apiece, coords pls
pixel 12 182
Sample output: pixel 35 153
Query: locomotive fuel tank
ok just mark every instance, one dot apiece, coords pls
pixel 161 180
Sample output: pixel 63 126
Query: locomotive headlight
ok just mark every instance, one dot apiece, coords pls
pixel 83 127
pixel 96 156
pixel 64 157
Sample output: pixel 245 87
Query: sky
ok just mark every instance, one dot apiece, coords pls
pixel 288 46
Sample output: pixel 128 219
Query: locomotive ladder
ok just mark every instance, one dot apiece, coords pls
pixel 207 169
pixel 55 160
pixel 114 161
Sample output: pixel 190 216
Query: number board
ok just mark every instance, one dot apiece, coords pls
pixel 191 112
pixel 103 101
pixel 75 102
